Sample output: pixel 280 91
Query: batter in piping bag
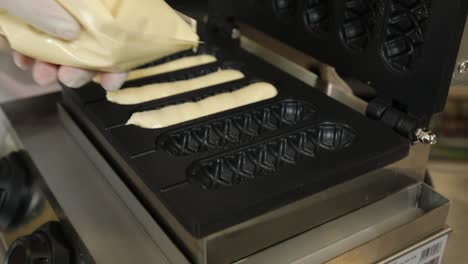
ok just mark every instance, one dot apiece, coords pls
pixel 115 36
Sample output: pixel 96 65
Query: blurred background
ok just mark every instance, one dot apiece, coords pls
pixel 452 126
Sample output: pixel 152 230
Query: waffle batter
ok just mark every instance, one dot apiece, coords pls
pixel 175 65
pixel 137 95
pixel 175 114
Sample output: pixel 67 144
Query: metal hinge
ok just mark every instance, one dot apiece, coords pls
pixel 400 122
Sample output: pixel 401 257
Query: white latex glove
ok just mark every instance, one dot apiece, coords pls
pixel 49 17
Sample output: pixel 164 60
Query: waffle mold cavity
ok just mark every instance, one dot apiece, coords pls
pixel 236 129
pixel 405 30
pixel 269 157
pixel 316 16
pixel 360 22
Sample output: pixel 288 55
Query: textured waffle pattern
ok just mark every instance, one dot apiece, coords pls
pixel 316 16
pixel 236 129
pixel 267 158
pixel 404 34
pixel 360 20
pixel 284 8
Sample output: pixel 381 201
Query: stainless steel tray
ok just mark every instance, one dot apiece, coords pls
pixel 380 230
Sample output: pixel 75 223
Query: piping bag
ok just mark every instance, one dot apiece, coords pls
pixel 117 35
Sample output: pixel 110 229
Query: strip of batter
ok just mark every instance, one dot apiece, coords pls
pixel 171 66
pixel 137 95
pixel 175 114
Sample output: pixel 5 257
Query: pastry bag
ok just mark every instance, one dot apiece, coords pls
pixel 117 35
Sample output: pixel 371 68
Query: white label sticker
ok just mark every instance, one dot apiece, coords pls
pixel 431 253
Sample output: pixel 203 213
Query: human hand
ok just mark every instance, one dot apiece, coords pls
pixel 48 16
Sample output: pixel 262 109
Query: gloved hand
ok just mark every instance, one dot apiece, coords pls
pixel 49 17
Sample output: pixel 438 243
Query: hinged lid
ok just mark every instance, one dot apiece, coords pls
pixel 405 49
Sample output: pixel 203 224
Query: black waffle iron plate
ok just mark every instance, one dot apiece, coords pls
pixel 218 171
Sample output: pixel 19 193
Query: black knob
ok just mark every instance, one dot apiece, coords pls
pixel 15 188
pixel 47 245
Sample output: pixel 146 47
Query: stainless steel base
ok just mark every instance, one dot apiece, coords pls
pixel 375 228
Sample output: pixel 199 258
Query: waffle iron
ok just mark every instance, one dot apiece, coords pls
pixel 212 182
